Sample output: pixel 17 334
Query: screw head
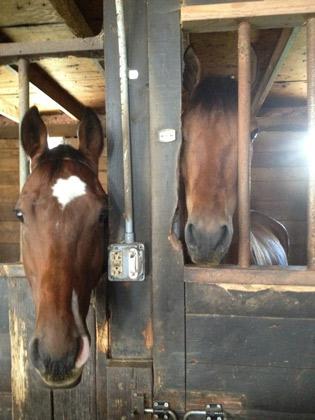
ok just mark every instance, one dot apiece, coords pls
pixel 166 404
pixel 208 406
pixel 155 404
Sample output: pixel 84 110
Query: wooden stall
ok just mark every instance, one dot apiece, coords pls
pixel 186 336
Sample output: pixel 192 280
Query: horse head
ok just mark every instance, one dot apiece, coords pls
pixel 63 210
pixel 208 163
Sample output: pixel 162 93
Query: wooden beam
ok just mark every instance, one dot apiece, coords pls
pixel 261 14
pixel 48 86
pixel 247 9
pixel 74 19
pixel 85 47
pixel 71 14
pixel 8 110
pixel 293 276
pixel 279 55
pixel 283 119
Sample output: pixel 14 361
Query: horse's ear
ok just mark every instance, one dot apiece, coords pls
pixel 91 140
pixel 192 69
pixel 33 133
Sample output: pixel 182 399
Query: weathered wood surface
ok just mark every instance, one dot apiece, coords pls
pixel 29 399
pixel 167 263
pixel 80 402
pixel 225 16
pixel 5 349
pixel 102 348
pixel 130 303
pixel 295 276
pixel 265 301
pixel 5 406
pixel 123 383
pixel 243 345
pixel 80 47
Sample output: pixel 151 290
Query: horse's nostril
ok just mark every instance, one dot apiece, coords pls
pixel 34 354
pixel 190 234
pixel 224 232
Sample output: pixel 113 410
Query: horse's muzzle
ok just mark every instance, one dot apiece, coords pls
pixel 56 372
pixel 207 246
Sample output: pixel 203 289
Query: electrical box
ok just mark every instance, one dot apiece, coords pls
pixel 126 262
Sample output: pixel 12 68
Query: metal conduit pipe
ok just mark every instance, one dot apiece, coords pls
pixel 311 134
pixel 123 75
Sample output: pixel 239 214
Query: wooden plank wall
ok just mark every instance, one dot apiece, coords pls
pixel 5 354
pixel 243 345
pixel 9 190
pixel 279 185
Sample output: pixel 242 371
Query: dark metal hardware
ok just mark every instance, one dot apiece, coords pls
pixel 211 412
pixel 137 404
pixel 161 410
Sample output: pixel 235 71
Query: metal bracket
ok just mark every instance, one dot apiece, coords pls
pixel 211 412
pixel 137 404
pixel 161 410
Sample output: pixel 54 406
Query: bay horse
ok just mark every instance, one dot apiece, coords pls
pixel 205 218
pixel 63 210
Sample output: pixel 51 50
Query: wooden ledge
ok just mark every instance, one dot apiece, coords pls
pixel 11 270
pixel 272 276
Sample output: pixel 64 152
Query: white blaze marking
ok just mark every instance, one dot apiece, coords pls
pixel 66 190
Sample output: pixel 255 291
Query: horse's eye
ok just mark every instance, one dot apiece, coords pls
pixel 254 134
pixel 19 215
pixel 103 216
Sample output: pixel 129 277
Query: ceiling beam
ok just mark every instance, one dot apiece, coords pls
pixel 34 50
pixel 47 85
pixel 74 19
pixel 8 110
pixel 246 9
pixel 71 14
pixel 280 53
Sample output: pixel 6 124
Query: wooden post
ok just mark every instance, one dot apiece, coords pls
pixel 311 131
pixel 167 263
pixel 129 350
pixel 24 104
pixel 244 115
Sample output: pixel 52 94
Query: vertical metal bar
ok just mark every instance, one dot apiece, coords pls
pixel 244 116
pixel 129 234
pixel 311 132
pixel 24 104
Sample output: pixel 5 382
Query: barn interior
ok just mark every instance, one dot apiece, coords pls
pixel 62 87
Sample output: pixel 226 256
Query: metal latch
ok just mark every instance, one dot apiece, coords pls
pixel 161 410
pixel 211 412
pixel 126 262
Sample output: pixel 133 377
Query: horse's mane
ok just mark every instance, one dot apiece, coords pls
pixel 57 155
pixel 213 92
